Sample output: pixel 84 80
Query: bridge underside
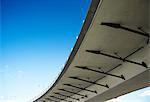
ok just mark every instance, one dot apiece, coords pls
pixel 111 56
pixel 135 83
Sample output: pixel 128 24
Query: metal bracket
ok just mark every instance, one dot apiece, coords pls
pixel 119 26
pixel 119 58
pixel 67 96
pixel 73 92
pixel 51 100
pixel 86 68
pixel 89 81
pixel 60 98
pixel 81 88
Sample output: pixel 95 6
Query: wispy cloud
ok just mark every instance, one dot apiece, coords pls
pixel 1 97
pixel 20 71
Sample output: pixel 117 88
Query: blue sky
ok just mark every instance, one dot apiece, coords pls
pixel 36 39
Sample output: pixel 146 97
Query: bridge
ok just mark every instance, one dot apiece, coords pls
pixel 110 57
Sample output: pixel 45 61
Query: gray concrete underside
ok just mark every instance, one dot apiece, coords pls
pixel 94 36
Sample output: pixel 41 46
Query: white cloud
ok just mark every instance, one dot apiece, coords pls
pixel 145 93
pixel 20 71
pixel 83 21
pixel 76 37
pixel 1 97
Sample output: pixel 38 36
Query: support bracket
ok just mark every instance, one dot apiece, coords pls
pixel 116 57
pixel 119 26
pixel 51 100
pixel 67 96
pixel 77 78
pixel 73 92
pixel 81 88
pixel 97 71
pixel 60 98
